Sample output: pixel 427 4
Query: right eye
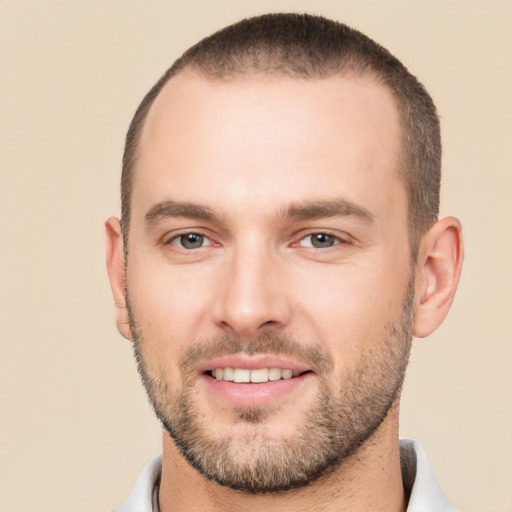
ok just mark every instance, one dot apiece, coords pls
pixel 190 241
pixel 319 240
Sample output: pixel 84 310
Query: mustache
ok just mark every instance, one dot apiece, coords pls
pixel 269 343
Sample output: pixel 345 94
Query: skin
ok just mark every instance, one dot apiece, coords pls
pixel 249 150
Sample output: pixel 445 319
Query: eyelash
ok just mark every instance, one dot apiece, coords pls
pixel 177 240
pixel 336 239
pixel 181 236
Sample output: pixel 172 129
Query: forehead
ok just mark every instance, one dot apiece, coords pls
pixel 277 139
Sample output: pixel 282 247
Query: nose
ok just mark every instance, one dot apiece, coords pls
pixel 253 295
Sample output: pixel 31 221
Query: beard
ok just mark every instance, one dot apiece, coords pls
pixel 339 422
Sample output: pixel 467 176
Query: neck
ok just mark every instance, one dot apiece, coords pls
pixel 370 480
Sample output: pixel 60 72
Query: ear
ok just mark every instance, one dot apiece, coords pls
pixel 437 274
pixel 116 274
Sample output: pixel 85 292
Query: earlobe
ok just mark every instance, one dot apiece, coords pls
pixel 116 273
pixel 437 274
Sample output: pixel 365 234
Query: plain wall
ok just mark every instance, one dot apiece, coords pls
pixel 74 424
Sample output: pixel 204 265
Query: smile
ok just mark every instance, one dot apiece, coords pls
pixel 242 380
pixel 258 375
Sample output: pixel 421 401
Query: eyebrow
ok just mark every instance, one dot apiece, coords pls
pixel 300 211
pixel 170 208
pixel 327 208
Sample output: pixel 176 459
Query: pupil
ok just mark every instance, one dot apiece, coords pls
pixel 322 240
pixel 192 241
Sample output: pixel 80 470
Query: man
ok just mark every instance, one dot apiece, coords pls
pixel 278 247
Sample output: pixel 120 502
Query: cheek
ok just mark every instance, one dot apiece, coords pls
pixel 168 306
pixel 354 308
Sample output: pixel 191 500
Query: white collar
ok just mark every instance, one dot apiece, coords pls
pixel 419 481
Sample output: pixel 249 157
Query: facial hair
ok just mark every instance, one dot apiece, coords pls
pixel 333 429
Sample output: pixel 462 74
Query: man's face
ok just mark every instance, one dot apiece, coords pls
pixel 269 240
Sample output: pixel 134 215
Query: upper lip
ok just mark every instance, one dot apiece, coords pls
pixel 252 363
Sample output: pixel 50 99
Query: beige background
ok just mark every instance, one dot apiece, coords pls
pixel 74 425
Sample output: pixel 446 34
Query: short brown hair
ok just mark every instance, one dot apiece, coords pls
pixel 306 46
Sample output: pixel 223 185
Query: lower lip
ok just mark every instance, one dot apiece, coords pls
pixel 257 394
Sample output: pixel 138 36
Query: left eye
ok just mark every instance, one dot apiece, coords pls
pixel 190 241
pixel 319 241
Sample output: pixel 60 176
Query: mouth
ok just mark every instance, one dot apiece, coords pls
pixel 252 381
pixel 253 376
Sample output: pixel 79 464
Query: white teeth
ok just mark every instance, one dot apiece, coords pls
pixel 259 375
pixel 287 374
pixel 274 374
pixel 243 375
pixel 228 374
